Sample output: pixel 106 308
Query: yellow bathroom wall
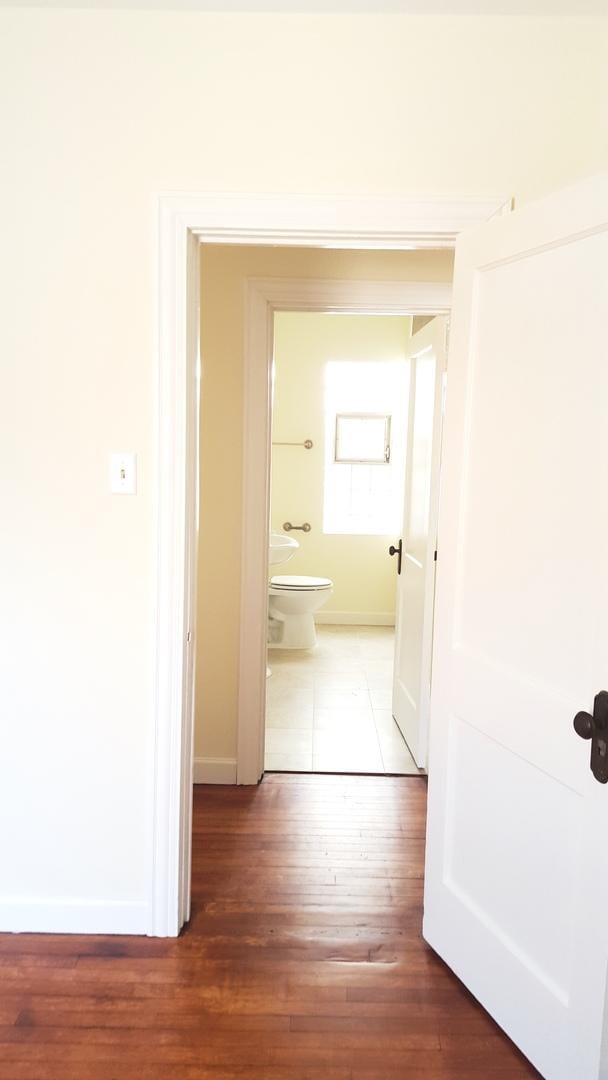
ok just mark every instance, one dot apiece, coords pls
pixel 224 272
pixel 359 566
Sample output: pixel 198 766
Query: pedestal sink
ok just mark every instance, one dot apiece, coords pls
pixel 281 548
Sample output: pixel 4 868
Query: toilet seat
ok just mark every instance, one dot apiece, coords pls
pixel 299 583
pixel 293 600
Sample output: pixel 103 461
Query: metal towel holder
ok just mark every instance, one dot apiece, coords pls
pixel 288 527
pixel 307 444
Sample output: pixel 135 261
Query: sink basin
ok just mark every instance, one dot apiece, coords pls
pixel 281 548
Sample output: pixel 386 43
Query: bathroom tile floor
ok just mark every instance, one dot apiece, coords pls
pixel 329 709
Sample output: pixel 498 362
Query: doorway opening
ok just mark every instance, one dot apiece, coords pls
pixel 356 428
pixel 342 224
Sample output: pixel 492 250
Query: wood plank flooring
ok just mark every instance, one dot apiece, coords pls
pixel 303 959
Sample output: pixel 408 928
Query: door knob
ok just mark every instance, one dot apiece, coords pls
pixel 583 725
pixel 397 551
pixel 594 726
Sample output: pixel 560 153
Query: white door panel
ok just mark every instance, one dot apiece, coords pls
pixel 416 582
pixel 516 878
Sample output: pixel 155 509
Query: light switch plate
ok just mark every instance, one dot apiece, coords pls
pixel 123 474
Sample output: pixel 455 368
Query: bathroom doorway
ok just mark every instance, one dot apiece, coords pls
pixel 356 417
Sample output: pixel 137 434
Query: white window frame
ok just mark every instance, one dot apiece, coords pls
pixel 385 459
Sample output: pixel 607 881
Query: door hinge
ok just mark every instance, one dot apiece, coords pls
pixel 189 636
pixel 435 556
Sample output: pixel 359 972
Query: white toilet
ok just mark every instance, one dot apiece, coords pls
pixel 292 601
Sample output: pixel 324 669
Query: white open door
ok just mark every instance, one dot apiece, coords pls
pixel 516 895
pixel 416 580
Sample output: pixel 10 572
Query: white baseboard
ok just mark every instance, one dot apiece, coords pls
pixel 27 915
pixel 356 618
pixel 214 770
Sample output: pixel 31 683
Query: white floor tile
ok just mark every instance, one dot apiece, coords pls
pixel 283 697
pixel 294 762
pixel 288 740
pixel 290 656
pixel 340 680
pixel 384 722
pixel 282 668
pixel 392 743
pixel 347 662
pixel 291 680
pixel 374 646
pixel 358 742
pixel 341 762
pixel 395 752
pixel 319 705
pixel 400 762
pixel 379 669
pixel 343 720
pixel 381 699
pixel 289 717
pixel 342 699
pixel 277 693
pixel 381 683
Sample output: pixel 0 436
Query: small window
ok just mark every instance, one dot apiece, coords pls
pixel 362 439
pixel 365 425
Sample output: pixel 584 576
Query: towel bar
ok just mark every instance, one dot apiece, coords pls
pixel 288 527
pixel 307 444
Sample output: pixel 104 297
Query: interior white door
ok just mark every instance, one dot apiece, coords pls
pixel 416 580
pixel 516 888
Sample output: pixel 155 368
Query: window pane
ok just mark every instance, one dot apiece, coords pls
pixel 365 408
pixel 361 438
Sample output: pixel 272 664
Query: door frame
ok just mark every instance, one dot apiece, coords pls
pixel 264 298
pixel 182 223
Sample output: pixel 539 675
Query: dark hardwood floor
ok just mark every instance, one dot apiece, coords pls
pixel 303 959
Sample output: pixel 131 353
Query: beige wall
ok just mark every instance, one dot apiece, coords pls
pixel 224 271
pixel 362 572
pixel 99 112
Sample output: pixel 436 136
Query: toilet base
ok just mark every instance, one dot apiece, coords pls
pixel 293 632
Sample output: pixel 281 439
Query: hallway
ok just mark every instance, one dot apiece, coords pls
pixel 303 959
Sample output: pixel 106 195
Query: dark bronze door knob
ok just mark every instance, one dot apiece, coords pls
pixel 595 727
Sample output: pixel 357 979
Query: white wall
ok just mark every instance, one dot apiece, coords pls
pixel 100 111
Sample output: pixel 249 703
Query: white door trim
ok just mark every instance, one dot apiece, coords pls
pixel 184 221
pixel 264 297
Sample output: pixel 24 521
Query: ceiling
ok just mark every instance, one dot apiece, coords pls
pixel 414 7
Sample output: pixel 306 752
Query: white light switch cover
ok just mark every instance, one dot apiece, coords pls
pixel 123 474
